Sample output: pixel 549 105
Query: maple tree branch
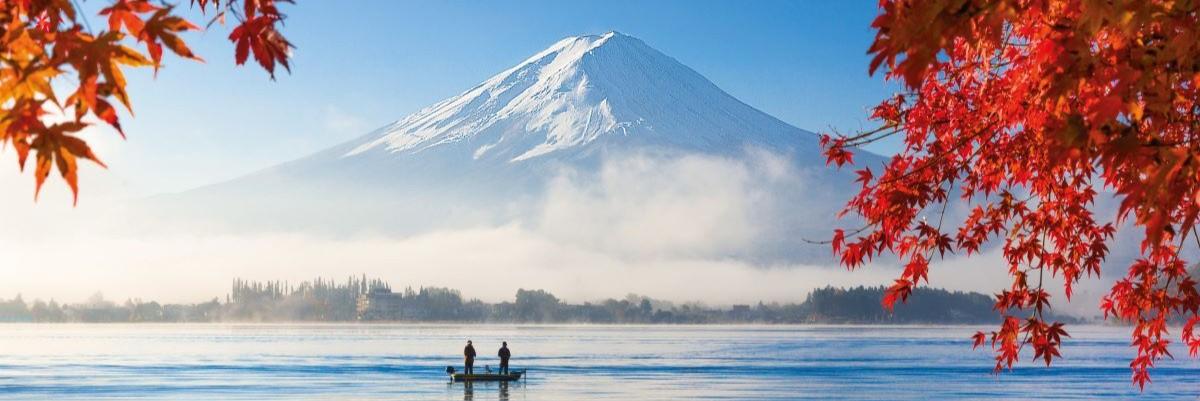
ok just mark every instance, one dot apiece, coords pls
pixel 850 234
pixel 937 159
pixel 1035 69
pixel 1041 274
pixel 86 24
pixel 1196 236
pixel 865 137
pixel 942 217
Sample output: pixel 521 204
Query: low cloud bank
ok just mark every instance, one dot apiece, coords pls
pixel 719 230
pixel 489 263
pixel 759 207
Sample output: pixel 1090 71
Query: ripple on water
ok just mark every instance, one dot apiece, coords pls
pixel 376 362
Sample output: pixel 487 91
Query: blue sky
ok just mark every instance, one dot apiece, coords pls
pixel 362 64
pixel 360 67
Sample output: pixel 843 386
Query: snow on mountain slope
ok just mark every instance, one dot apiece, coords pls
pixel 577 92
pixel 598 140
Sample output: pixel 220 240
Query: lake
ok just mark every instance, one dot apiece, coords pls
pixel 407 362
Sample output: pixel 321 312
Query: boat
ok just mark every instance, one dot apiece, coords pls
pixel 487 377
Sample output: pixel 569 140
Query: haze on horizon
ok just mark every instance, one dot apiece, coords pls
pixel 660 226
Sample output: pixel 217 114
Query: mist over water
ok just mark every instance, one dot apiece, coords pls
pixel 719 220
pixel 388 362
pixel 734 226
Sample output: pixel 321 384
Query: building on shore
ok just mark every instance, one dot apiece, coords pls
pixel 380 304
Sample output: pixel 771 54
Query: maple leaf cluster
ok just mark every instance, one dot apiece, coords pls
pixel 1023 110
pixel 57 75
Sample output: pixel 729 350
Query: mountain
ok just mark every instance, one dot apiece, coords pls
pixel 579 96
pixel 489 153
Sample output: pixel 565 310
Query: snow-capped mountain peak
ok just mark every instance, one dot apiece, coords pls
pixel 604 124
pixel 579 91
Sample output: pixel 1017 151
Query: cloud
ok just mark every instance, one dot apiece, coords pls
pixel 672 226
pixel 644 204
pixel 692 205
pixel 487 262
pixel 678 227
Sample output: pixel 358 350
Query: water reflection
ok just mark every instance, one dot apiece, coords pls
pixel 469 390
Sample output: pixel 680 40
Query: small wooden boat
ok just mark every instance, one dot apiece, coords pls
pixel 487 377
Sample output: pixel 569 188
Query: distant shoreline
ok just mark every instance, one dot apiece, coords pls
pixel 363 300
pixel 1089 323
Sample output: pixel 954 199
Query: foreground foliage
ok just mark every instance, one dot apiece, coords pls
pixel 1023 109
pixel 58 76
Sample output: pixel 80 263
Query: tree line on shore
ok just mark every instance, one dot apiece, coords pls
pixel 323 300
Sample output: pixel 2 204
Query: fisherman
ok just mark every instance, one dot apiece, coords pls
pixel 504 355
pixel 468 358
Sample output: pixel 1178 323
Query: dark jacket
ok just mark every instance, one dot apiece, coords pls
pixel 504 354
pixel 469 352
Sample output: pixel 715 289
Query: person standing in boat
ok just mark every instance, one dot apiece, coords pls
pixel 468 358
pixel 504 355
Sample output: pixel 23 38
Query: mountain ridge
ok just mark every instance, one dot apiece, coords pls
pixel 572 117
pixel 579 91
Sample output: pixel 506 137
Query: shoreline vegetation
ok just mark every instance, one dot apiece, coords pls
pixel 359 299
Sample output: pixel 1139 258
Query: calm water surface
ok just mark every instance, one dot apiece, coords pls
pixel 406 362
